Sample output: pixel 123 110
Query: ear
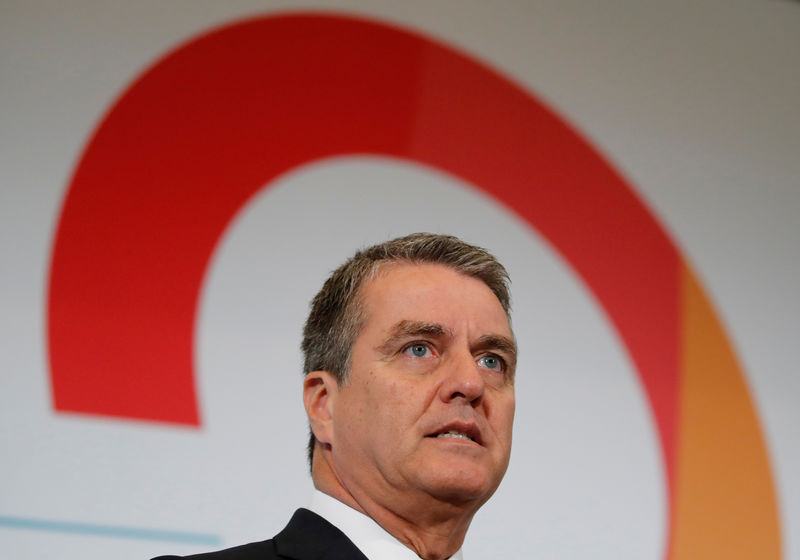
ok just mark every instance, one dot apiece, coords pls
pixel 319 395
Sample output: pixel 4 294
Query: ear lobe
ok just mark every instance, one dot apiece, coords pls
pixel 319 394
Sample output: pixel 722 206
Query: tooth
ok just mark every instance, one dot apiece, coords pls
pixel 454 434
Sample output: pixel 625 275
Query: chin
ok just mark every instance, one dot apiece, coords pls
pixel 463 485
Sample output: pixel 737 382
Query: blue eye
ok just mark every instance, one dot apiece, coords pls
pixel 491 362
pixel 418 350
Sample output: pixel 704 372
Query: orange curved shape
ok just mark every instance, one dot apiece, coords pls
pixel 724 502
pixel 214 121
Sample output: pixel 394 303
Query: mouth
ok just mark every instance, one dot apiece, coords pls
pixel 459 433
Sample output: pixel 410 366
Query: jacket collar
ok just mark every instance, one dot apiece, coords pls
pixel 310 537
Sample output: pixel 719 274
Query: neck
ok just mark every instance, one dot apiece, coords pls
pixel 433 528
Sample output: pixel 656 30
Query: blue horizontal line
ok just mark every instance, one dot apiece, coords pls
pixel 110 531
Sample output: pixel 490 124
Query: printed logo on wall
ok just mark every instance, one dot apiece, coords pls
pixel 207 126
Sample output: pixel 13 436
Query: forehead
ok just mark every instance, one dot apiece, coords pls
pixel 431 292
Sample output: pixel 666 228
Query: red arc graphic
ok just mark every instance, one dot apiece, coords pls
pixel 211 123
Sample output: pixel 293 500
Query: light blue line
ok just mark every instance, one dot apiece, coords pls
pixel 110 531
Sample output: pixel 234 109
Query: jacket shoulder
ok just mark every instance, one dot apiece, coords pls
pixel 306 536
pixel 262 550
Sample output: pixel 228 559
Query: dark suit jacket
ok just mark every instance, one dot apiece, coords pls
pixel 307 537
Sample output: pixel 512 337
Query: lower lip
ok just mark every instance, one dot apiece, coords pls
pixel 455 440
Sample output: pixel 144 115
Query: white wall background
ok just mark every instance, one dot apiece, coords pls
pixel 695 103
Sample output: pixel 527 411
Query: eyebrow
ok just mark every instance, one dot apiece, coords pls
pixel 405 329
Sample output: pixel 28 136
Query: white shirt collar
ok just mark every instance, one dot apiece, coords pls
pixel 369 537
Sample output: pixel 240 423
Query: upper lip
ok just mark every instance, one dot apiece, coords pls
pixel 468 428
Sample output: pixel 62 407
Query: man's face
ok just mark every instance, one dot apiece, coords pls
pixel 429 402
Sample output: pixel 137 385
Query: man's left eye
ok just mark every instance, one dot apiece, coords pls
pixel 492 362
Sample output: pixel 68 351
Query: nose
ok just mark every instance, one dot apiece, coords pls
pixel 462 380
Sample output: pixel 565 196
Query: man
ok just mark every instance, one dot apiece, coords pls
pixel 409 391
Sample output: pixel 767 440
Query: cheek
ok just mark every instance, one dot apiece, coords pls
pixel 381 407
pixel 503 415
pixel 400 405
pixel 378 405
pixel 394 399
